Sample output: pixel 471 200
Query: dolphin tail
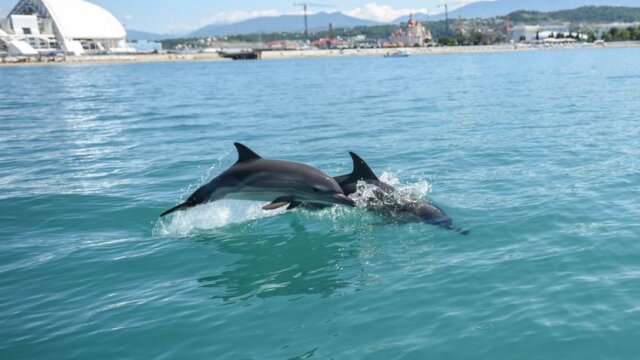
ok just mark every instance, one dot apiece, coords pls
pixel 175 208
pixel 458 229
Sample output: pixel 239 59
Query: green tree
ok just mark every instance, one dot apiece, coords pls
pixel 624 35
pixel 478 38
pixel 447 41
pixel 460 38
pixel 607 37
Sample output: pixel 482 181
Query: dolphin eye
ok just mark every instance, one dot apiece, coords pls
pixel 315 189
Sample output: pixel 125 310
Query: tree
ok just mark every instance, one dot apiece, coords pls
pixel 447 41
pixel 624 35
pixel 478 38
pixel 460 38
pixel 607 37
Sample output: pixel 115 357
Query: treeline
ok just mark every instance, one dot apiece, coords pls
pixel 371 32
pixel 473 38
pixel 615 34
pixel 585 14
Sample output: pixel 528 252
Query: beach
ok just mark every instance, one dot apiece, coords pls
pixel 316 53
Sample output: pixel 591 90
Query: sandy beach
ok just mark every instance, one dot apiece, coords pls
pixel 294 54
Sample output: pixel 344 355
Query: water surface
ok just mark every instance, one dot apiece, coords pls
pixel 537 153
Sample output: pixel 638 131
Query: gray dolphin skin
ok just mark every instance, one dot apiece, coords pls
pixel 278 181
pixel 386 201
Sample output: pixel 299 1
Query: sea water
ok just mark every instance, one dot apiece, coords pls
pixel 536 153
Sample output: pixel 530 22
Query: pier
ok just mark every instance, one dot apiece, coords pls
pixel 243 54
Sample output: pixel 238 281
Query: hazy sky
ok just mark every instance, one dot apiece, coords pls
pixel 166 16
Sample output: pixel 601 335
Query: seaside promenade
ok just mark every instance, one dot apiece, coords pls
pixel 302 54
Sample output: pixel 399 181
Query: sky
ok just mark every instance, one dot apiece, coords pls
pixel 179 16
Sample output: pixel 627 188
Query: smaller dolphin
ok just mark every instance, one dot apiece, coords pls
pixel 385 198
pixel 279 181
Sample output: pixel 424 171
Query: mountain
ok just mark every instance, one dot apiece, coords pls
pixel 284 23
pixel 585 14
pixel 143 35
pixel 486 9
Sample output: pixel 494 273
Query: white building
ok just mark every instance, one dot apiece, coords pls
pixel 537 32
pixel 73 27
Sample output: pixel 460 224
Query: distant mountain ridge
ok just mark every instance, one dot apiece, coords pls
pixel 283 23
pixel 134 35
pixel 486 9
pixel 585 14
pixel 320 21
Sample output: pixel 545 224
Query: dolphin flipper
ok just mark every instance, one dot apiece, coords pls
pixel 279 202
pixel 275 205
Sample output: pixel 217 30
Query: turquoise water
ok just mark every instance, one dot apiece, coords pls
pixel 536 153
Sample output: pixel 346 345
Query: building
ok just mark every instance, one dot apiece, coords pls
pixel 73 27
pixel 536 32
pixel 329 43
pixel 414 35
pixel 284 45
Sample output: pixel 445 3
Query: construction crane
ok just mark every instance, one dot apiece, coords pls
pixel 306 24
pixel 446 18
pixel 445 5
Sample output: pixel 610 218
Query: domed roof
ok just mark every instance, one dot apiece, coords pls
pixel 82 19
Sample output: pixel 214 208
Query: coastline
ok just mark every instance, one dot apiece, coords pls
pixel 417 51
pixel 304 54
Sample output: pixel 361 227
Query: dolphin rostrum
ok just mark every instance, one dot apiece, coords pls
pixel 387 200
pixel 278 181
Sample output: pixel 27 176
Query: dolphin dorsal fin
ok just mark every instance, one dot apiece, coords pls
pixel 245 154
pixel 361 171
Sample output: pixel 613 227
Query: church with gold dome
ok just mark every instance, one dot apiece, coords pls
pixel 414 34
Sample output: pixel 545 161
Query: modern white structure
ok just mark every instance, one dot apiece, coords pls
pixel 74 27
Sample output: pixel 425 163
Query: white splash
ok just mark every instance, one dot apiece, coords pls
pixel 211 216
pixel 368 194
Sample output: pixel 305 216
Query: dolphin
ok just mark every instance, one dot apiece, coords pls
pixel 278 181
pixel 385 197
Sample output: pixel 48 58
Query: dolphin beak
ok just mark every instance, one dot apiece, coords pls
pixel 182 206
pixel 344 200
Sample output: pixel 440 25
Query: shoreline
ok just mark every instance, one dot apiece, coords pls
pixel 308 54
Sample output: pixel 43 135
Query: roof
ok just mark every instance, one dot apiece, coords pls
pixel 327 41
pixel 82 19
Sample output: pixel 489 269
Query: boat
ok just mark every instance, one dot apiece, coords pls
pixel 399 53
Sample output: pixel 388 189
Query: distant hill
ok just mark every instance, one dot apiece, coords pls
pixel 284 23
pixel 486 9
pixel 585 14
pixel 143 35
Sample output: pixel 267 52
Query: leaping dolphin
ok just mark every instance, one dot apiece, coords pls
pixel 279 181
pixel 386 200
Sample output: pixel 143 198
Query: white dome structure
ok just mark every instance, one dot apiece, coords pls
pixel 83 20
pixel 77 26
